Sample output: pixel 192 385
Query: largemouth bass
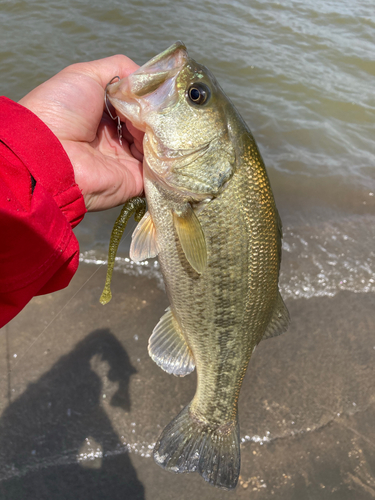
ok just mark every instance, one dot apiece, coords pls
pixel 213 223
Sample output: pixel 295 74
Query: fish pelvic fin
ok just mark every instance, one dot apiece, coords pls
pixel 143 245
pixel 279 321
pixel 189 445
pixel 168 348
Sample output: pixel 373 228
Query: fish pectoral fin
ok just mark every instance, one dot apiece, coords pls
pixel 191 237
pixel 168 348
pixel 143 245
pixel 279 321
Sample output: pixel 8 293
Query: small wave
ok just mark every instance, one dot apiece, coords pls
pixel 325 258
pixel 148 268
pixel 319 259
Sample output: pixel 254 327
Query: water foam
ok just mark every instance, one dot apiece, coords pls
pixel 319 259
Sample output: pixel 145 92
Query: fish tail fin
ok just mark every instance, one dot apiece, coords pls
pixel 189 445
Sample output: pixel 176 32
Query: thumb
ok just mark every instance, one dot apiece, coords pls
pixel 103 70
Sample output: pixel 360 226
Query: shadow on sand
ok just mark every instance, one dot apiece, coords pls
pixel 44 431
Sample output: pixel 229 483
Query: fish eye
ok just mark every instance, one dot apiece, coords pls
pixel 198 93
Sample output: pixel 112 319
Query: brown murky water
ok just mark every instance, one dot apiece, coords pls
pixel 302 75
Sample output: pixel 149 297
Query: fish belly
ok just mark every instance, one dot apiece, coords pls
pixel 223 314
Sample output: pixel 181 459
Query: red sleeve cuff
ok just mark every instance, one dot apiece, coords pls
pixel 38 148
pixel 39 252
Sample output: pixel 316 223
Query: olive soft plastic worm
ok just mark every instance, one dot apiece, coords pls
pixel 136 206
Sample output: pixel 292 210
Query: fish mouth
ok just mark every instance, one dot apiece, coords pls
pixel 126 94
pixel 156 71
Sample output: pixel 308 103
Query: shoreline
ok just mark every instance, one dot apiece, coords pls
pixel 88 379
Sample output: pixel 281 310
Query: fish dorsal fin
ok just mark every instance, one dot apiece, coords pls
pixel 168 348
pixel 143 245
pixel 191 236
pixel 279 321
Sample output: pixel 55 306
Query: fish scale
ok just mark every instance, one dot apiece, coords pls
pixel 213 223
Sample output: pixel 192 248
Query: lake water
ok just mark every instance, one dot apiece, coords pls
pixel 302 74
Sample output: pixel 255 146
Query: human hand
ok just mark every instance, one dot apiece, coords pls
pixel 71 104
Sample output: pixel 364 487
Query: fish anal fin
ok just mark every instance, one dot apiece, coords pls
pixel 279 321
pixel 143 245
pixel 168 348
pixel 191 237
pixel 188 445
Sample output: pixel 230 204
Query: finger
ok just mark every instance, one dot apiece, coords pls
pixel 110 127
pixel 126 134
pixel 136 153
pixel 108 138
pixel 103 70
pixel 137 134
pixel 138 145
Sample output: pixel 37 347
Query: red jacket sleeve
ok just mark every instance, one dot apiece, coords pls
pixel 40 203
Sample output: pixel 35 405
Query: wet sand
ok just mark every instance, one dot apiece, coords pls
pixel 84 403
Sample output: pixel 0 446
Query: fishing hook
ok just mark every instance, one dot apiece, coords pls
pixel 119 126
